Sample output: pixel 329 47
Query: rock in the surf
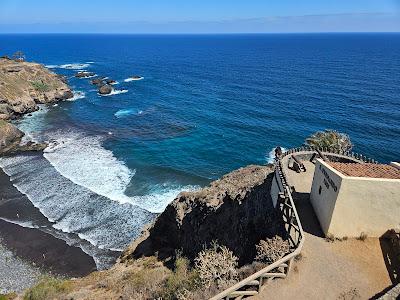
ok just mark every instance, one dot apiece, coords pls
pixel 105 89
pixel 97 81
pixel 84 74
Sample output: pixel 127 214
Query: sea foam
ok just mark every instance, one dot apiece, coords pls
pixel 114 92
pixel 270 157
pixel 133 79
pixel 73 66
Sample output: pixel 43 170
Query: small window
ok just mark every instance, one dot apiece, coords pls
pixel 320 190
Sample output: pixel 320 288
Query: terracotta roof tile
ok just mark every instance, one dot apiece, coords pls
pixel 366 170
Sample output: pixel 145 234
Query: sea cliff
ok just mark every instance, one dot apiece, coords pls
pixel 24 85
pixel 235 210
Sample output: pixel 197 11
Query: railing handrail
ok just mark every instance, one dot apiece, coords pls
pixel 354 155
pixel 279 262
pixel 288 196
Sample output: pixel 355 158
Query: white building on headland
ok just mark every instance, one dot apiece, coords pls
pixel 354 198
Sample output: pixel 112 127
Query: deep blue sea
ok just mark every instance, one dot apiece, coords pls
pixel 208 104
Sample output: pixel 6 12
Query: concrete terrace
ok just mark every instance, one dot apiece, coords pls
pixel 350 269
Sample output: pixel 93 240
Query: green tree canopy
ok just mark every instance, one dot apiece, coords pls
pixel 330 139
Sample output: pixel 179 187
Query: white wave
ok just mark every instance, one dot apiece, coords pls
pixel 90 62
pixel 77 95
pixel 270 157
pixel 84 161
pixel 157 202
pixel 25 224
pixel 127 112
pixel 73 66
pixel 114 92
pixel 55 105
pixel 114 83
pixel 133 79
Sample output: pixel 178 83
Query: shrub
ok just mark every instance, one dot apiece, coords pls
pixel 217 265
pixel 48 288
pixel 330 139
pixel 180 284
pixel 9 296
pixel 363 236
pixel 270 250
pixel 40 86
pixel 330 238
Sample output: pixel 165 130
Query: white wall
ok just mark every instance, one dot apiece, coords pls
pixel 324 202
pixel 366 205
pixel 359 204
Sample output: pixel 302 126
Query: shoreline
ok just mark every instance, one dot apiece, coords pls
pixel 34 251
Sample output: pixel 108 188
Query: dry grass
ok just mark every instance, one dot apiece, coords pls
pixel 330 238
pixel 9 296
pixel 217 265
pixel 47 289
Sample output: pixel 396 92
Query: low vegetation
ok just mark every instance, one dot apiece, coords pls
pixel 40 86
pixel 10 296
pixel 48 288
pixel 270 250
pixel 217 265
pixel 363 236
pixel 330 139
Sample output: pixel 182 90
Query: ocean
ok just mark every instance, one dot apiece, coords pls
pixel 207 104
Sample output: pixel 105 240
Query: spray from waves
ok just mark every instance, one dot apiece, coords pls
pixel 73 66
pixel 77 95
pixel 270 157
pixel 127 112
pixel 133 79
pixel 114 92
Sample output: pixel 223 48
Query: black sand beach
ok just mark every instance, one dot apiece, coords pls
pixel 33 245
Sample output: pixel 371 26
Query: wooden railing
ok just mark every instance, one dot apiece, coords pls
pixel 253 284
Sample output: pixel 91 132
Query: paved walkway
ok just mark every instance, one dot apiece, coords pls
pixel 350 269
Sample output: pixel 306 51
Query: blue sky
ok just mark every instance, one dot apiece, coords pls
pixel 206 16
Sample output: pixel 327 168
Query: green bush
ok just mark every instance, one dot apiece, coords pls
pixel 47 289
pixel 9 296
pixel 40 86
pixel 182 282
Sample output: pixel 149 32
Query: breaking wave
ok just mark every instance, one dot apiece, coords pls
pixel 133 79
pixel 114 92
pixel 77 95
pixel 73 66
pixel 270 157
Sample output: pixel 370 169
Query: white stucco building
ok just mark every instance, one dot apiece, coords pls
pixel 351 198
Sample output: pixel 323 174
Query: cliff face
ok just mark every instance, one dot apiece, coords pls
pixel 23 85
pixel 235 210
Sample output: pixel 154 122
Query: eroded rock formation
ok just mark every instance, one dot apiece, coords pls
pixel 235 210
pixel 23 85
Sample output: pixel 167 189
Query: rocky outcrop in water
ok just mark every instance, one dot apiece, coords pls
pixel 235 210
pixel 24 85
pixel 105 89
pixel 11 137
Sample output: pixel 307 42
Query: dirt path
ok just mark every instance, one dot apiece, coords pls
pixel 349 269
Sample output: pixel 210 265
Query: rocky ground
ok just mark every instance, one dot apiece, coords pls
pixel 16 274
pixel 24 85
pixel 235 210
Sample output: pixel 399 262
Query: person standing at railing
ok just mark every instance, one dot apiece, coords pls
pixel 278 152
